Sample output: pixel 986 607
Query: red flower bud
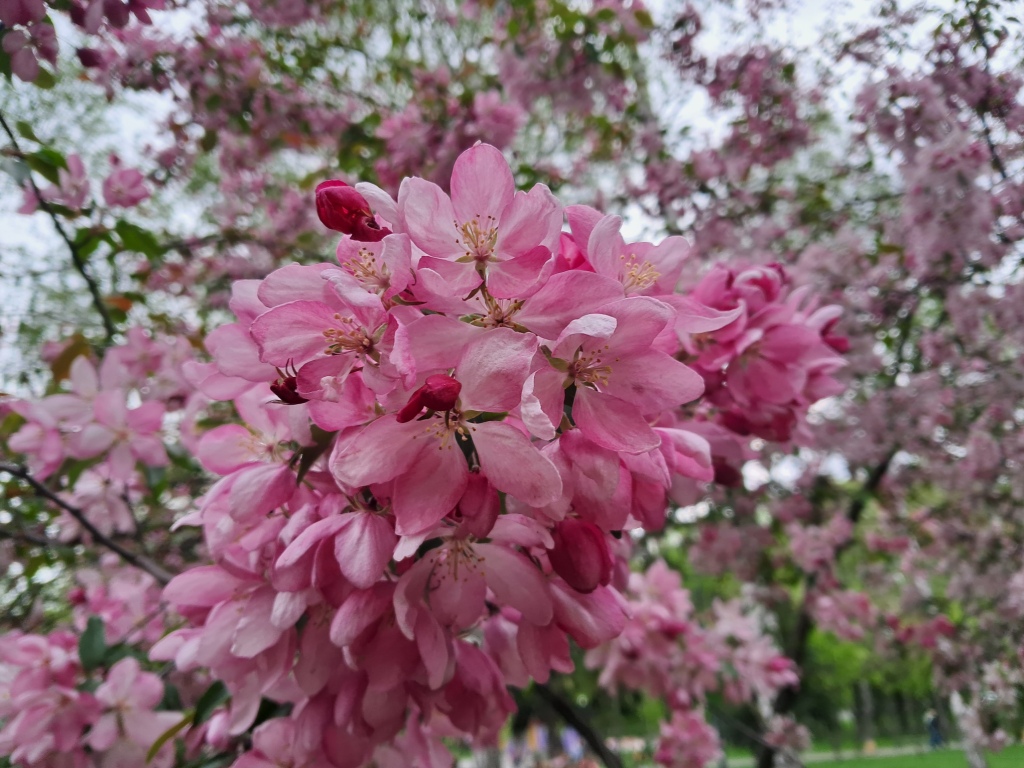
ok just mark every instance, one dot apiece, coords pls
pixel 90 57
pixel 580 555
pixel 439 393
pixel 343 209
pixel 287 391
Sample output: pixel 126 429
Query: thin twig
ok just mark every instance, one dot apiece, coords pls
pixel 979 32
pixel 139 561
pixel 76 256
pixel 28 537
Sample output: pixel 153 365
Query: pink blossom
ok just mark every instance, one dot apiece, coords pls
pixel 124 187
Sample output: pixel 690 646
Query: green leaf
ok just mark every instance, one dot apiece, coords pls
pixel 47 163
pixel 310 453
pixel 214 696
pixel 45 79
pixel 26 130
pixel 92 647
pixel 135 238
pixel 171 702
pixel 167 735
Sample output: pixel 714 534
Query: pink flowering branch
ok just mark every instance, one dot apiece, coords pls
pixel 76 257
pixel 139 561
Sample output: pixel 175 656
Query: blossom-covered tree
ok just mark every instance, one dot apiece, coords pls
pixel 314 511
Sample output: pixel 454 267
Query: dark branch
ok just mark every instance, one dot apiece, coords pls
pixel 139 561
pixel 28 537
pixel 568 712
pixel 76 256
pixel 979 33
pixel 787 697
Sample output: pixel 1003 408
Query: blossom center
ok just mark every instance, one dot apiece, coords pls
pixel 638 275
pixel 350 338
pixel 444 428
pixel 591 367
pixel 365 268
pixel 479 237
pixel 458 554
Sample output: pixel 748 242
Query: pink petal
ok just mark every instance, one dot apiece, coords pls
pixel 431 343
pixel 261 489
pixel 521 276
pixel 482 185
pixel 316 660
pixel 654 382
pixel 543 649
pixel 565 297
pixel 790 343
pixel 514 465
pixel 432 643
pixel 761 379
pixel 493 368
pixel 310 536
pixel 592 618
pixel 605 247
pixel 582 220
pixel 640 320
pixel 226 448
pixel 429 218
pixel 360 609
pixel 431 488
pixel 295 282
pixel 236 354
pixel 379 452
pixel 204 586
pixel 532 219
pixel 288 609
pixel 255 632
pixel 93 440
pixel 517 582
pixel 364 548
pixel 293 333
pixel 542 405
pixel 612 423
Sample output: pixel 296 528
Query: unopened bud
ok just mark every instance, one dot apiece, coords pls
pixel 343 209
pixel 286 389
pixel 438 393
pixel 580 555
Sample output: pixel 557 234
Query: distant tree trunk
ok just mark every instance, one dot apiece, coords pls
pixel 866 713
pixel 975 757
pixel 903 710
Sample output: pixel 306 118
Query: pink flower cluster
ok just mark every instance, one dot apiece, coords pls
pixel 442 433
pixel 126 599
pixel 28 35
pixel 765 369
pixel 91 421
pixel 665 651
pixel 50 720
pixel 122 188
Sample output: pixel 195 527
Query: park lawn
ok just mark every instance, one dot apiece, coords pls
pixel 1013 757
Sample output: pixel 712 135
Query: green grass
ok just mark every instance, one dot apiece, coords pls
pixel 1013 757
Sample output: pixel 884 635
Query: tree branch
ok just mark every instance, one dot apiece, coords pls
pixel 139 561
pixel 568 712
pixel 979 33
pixel 787 697
pixel 76 257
